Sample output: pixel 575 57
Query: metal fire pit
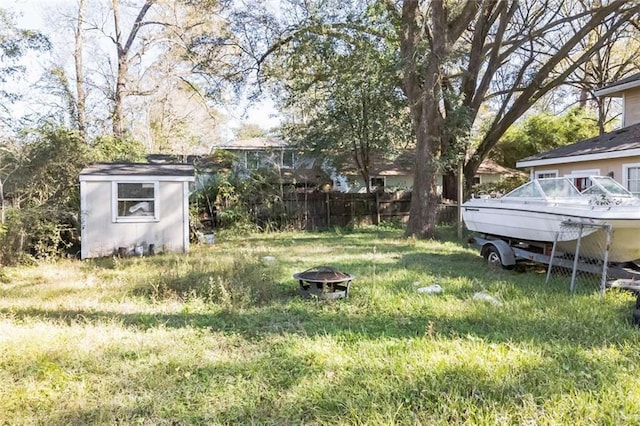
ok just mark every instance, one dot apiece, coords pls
pixel 324 282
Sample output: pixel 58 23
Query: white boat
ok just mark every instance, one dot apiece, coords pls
pixel 546 210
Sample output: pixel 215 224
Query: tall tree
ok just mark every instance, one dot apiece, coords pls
pixel 78 57
pixel 542 132
pixel 123 47
pixel 354 115
pixel 459 56
pixel 617 59
pixel 14 43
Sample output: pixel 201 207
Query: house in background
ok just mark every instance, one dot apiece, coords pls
pixel 398 174
pixel 312 172
pixel 491 172
pixel 293 168
pixel 134 208
pixel 615 154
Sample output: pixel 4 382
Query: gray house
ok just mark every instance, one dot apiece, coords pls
pixel 134 208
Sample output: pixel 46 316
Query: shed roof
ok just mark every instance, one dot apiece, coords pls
pixel 624 142
pixel 617 87
pixel 138 169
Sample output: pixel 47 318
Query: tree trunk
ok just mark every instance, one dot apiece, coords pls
pixel 123 50
pixel 429 125
pixel 118 98
pixel 423 89
pixel 80 92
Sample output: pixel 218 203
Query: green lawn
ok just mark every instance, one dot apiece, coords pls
pixel 220 336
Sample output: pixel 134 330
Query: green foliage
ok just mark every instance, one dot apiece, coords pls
pixel 108 148
pixel 348 88
pixel 501 186
pixel 543 132
pixel 230 197
pixel 249 131
pixel 244 201
pixel 15 43
pixel 49 169
pixel 36 233
pixel 44 189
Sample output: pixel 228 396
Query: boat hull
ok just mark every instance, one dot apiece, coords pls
pixel 545 222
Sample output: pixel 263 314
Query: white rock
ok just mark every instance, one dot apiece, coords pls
pixel 487 298
pixel 432 289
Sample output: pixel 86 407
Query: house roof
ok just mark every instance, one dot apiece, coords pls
pixel 490 167
pixel 616 88
pixel 403 165
pixel 253 144
pixel 624 142
pixel 137 169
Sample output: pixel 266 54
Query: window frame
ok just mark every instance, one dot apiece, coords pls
pixel 382 178
pixel 254 160
pixel 135 219
pixel 554 172
pixel 286 165
pixel 625 176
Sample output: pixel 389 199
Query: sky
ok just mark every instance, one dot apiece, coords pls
pixel 34 14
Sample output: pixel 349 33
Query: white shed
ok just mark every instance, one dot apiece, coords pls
pixel 134 208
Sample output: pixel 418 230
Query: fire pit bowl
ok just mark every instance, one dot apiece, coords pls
pixel 324 282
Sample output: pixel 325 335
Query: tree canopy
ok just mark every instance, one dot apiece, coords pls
pixel 455 59
pixel 542 132
pixel 356 78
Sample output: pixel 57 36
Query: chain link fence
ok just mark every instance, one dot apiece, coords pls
pixel 580 256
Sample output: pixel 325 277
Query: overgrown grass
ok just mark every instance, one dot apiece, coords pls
pixel 219 336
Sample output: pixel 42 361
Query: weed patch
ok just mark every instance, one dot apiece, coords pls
pixel 220 336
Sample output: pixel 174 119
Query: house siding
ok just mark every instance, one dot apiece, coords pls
pixel 631 107
pixel 604 167
pixel 489 178
pixel 102 237
pixel 356 184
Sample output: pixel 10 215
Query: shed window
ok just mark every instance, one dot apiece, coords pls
pixel 135 201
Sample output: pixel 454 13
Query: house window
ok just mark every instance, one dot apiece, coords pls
pixel 253 160
pixel 377 182
pixel 135 201
pixel 543 174
pixel 476 180
pixel 582 183
pixel 288 159
pixel 580 178
pixel 632 178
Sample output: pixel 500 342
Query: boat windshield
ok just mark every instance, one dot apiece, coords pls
pixel 558 188
pixel 546 188
pixel 606 186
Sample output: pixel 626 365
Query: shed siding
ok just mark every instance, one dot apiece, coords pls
pixel 102 237
pixel 631 107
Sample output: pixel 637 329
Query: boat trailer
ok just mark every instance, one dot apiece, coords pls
pixel 500 252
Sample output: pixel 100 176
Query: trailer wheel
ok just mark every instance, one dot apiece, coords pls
pixel 494 261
